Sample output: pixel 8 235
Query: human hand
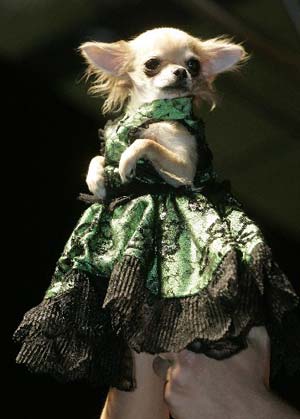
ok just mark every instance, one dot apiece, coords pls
pixel 201 387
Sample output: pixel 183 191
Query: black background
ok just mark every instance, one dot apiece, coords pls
pixel 51 142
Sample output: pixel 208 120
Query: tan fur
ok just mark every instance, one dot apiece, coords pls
pixel 171 149
pixel 117 89
pixel 119 71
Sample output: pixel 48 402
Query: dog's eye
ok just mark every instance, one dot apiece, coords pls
pixel 193 66
pixel 152 64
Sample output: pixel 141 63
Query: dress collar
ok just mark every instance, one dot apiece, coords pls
pixel 166 109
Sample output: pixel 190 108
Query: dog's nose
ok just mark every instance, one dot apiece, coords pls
pixel 180 73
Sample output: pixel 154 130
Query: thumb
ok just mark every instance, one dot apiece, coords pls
pixel 163 362
pixel 184 357
pixel 171 357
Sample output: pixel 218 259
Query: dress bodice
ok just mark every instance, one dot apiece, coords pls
pixel 119 134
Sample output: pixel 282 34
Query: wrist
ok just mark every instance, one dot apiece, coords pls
pixel 263 403
pixel 250 404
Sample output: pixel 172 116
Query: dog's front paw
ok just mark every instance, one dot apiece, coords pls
pixel 95 177
pixel 127 165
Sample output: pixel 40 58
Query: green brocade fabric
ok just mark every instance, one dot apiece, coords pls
pixel 156 268
pixel 179 267
pixel 189 252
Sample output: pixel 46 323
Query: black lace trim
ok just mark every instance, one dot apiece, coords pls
pixel 70 338
pixel 215 322
pixel 101 136
pixel 202 321
pixel 212 189
pixel 78 336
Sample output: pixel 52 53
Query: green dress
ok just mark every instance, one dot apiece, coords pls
pixel 156 268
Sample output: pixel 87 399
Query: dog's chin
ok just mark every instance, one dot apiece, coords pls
pixel 176 89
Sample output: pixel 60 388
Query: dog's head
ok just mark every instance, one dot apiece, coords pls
pixel 161 63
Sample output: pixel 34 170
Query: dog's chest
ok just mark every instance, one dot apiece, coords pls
pixel 174 136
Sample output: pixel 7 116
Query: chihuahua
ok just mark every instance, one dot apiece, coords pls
pixel 161 63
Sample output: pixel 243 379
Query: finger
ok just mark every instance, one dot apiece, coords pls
pixel 259 336
pixel 160 367
pixel 184 358
pixel 187 358
pixel 172 357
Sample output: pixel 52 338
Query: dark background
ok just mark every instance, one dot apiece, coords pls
pixel 52 130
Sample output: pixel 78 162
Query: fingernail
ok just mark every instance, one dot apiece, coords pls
pixel 160 367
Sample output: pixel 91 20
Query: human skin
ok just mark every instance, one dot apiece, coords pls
pixel 146 401
pixel 237 387
pixel 193 386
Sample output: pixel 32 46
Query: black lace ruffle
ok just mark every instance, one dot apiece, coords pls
pixel 215 322
pixel 70 337
pixel 78 336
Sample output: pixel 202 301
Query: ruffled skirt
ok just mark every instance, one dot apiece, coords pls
pixel 158 273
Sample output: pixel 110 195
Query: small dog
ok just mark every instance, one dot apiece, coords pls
pixel 162 63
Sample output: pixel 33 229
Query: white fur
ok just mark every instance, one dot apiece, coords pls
pixel 175 138
pixel 95 177
pixel 120 70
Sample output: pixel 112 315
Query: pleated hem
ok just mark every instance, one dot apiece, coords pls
pixel 87 332
pixel 216 321
pixel 69 337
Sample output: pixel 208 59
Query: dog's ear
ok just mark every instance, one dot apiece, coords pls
pixel 111 58
pixel 221 55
